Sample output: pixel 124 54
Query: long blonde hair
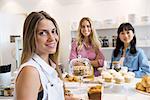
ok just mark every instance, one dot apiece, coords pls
pixel 93 35
pixel 29 36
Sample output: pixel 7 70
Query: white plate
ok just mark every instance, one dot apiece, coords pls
pixel 142 92
pixel 72 85
pixel 107 84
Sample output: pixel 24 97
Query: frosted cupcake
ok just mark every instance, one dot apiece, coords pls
pixel 108 78
pixel 123 72
pixel 131 73
pixel 128 78
pixel 119 79
pixel 112 71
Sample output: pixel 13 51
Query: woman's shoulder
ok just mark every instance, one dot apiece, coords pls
pixel 74 42
pixel 30 63
pixel 139 50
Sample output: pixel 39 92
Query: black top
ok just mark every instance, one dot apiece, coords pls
pixel 40 95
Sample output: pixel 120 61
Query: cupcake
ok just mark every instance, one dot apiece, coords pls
pixel 131 73
pixel 112 71
pixel 79 70
pixel 119 79
pixel 108 78
pixel 128 78
pixel 123 72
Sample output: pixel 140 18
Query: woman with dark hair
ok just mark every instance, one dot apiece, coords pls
pixel 127 54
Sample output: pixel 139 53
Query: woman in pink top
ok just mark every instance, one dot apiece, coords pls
pixel 87 45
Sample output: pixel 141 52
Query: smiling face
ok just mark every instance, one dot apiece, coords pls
pixel 46 37
pixel 85 28
pixel 126 36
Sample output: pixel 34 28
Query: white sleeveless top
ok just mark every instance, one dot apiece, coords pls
pixel 48 75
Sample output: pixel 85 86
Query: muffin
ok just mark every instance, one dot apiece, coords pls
pixel 123 72
pixel 104 73
pixel 95 92
pixel 71 78
pixel 112 71
pixel 79 70
pixel 128 78
pixel 119 79
pixel 131 73
pixel 8 91
pixel 108 77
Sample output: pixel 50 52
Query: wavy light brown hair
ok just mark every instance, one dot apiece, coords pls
pixel 93 35
pixel 29 36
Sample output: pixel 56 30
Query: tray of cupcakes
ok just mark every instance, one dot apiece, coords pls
pixel 112 77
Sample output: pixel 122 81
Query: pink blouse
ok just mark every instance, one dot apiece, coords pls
pixel 87 52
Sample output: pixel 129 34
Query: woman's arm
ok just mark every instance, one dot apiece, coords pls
pixel 73 52
pixel 144 66
pixel 27 84
pixel 99 61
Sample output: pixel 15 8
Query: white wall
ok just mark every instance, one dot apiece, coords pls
pixel 65 15
pixel 100 10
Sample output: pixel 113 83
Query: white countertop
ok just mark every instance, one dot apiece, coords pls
pixel 125 91
pixel 6 98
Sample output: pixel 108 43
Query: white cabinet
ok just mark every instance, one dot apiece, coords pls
pixel 19 46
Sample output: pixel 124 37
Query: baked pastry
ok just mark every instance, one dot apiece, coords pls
pixel 131 73
pixel 8 91
pixel 79 70
pixel 104 73
pixel 108 78
pixel 139 86
pixel 95 92
pixel 148 89
pixel 144 85
pixel 123 72
pixel 112 71
pixel 128 78
pixel 71 78
pixel 119 79
pixel 146 81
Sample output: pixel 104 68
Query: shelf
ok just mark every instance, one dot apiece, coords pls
pixel 112 27
pixel 107 48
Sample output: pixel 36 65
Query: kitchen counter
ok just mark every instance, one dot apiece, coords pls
pixel 6 98
pixel 123 92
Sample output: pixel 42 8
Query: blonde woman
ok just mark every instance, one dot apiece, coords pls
pixel 87 45
pixel 39 77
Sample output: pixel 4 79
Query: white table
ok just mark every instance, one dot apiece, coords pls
pixel 125 91
pixel 6 98
pixel 80 90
